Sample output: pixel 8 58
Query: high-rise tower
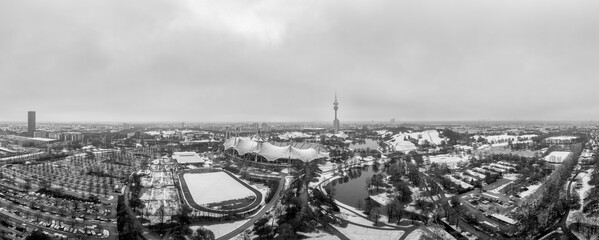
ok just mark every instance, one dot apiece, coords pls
pixel 336 121
pixel 30 123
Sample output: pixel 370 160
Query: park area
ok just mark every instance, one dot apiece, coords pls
pixel 215 187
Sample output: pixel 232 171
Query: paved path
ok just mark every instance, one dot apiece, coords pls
pixel 259 215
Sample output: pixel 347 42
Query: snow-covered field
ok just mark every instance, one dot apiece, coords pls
pixel 432 136
pixel 449 160
pixel 399 144
pixel 214 187
pixel 401 141
pixel 531 189
pixel 505 137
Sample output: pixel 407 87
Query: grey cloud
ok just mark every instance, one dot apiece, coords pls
pixel 269 60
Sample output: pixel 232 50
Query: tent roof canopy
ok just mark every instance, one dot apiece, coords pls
pixel 272 152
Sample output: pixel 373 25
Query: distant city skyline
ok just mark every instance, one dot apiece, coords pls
pixel 268 61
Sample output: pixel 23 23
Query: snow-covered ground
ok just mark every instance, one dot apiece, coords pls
pixel 585 185
pixel 214 187
pixel 327 166
pixel 557 156
pixel 464 233
pixel 22 156
pixel 505 137
pixel 499 144
pixel 290 135
pixel 383 132
pixel 358 217
pixel 496 190
pixel 319 236
pixel 511 176
pixel 440 232
pixel 357 232
pixel 582 192
pixel 428 232
pixel 531 189
pixel 401 141
pixel 415 235
pixel 449 160
pixel 484 147
pixel 415 192
pixel 222 228
pixel 473 173
pixel 561 138
pixel 399 144
pixel 432 136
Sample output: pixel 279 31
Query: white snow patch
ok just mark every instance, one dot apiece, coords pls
pixel 447 159
pixel 415 235
pixel 531 189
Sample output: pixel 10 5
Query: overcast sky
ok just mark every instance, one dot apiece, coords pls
pixel 273 60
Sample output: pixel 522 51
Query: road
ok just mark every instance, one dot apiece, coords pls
pixel 259 215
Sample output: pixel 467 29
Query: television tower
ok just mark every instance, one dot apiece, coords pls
pixel 336 121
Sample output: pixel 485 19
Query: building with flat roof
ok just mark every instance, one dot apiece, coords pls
pixel 188 158
pixel 31 123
